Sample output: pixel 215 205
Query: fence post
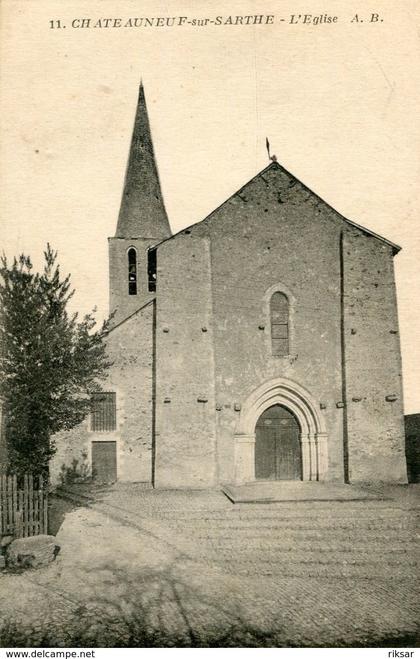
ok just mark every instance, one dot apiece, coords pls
pixel 3 506
pixel 45 510
pixel 10 504
pixel 23 510
pixel 31 505
pixel 18 520
pixel 14 501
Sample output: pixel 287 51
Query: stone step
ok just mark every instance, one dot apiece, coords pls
pixel 285 559
pixel 306 558
pixel 381 534
pixel 263 513
pixel 371 543
pixel 262 548
pixel 314 519
pixel 333 554
pixel 294 539
pixel 298 531
pixel 369 572
pixel 354 530
pixel 296 543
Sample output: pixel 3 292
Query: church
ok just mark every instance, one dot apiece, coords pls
pixel 260 343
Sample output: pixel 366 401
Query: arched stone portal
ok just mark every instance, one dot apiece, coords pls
pixel 299 401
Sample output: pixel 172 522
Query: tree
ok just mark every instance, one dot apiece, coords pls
pixel 49 360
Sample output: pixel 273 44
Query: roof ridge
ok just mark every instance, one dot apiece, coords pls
pixel 277 165
pixel 358 226
pixel 272 164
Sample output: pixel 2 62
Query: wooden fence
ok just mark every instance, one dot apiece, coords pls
pixel 23 509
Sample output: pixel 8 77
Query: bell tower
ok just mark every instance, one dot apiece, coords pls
pixel 142 222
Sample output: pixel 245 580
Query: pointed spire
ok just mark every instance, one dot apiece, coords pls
pixel 142 211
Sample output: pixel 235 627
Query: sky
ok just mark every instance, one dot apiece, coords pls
pixel 338 101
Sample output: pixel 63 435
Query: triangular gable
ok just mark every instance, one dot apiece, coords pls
pixel 280 168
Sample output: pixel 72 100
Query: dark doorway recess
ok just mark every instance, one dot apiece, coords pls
pixel 278 454
pixel 104 462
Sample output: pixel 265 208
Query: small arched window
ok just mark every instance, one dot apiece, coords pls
pixel 279 319
pixel 132 271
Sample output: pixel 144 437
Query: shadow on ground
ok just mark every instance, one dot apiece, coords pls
pixel 66 498
pixel 161 608
pixel 158 569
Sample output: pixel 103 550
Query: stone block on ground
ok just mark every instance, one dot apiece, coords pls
pixel 5 540
pixel 35 551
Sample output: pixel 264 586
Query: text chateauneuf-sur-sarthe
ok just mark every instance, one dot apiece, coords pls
pixel 184 21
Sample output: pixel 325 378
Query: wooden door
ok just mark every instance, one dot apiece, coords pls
pixel 278 454
pixel 104 461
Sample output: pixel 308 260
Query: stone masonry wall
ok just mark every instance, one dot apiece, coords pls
pixel 373 361
pixel 274 232
pixel 120 301
pixel 185 401
pixel 130 347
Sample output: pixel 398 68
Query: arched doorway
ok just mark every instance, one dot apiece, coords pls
pixel 310 419
pixel 278 454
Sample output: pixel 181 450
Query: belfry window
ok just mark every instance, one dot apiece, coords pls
pixel 151 269
pixel 132 271
pixel 279 319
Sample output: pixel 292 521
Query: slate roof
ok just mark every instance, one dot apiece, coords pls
pixel 142 211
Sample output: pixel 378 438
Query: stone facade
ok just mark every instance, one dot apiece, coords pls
pixel 130 347
pixel 185 384
pixel 372 361
pixel 122 305
pixel 193 357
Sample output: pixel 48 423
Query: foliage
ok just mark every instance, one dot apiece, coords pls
pixel 49 360
pixel 77 472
